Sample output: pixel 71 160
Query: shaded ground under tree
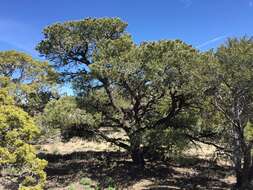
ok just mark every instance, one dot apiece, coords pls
pixel 116 167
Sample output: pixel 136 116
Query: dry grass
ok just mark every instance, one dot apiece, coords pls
pixel 77 145
pixel 71 161
pixel 195 171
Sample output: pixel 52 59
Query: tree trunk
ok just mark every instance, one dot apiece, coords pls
pixel 243 172
pixel 237 158
pixel 243 180
pixel 136 150
pixel 138 157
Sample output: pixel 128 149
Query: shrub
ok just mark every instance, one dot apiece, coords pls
pixel 17 130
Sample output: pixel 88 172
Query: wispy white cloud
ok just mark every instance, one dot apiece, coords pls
pixel 186 3
pixel 211 41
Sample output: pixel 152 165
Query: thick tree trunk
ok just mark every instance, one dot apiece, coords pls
pixel 136 150
pixel 242 150
pixel 138 157
pixel 243 170
pixel 243 180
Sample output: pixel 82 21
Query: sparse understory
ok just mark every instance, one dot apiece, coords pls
pixel 80 164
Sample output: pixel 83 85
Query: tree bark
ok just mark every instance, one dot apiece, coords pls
pixel 136 150
pixel 243 179
pixel 243 169
pixel 138 157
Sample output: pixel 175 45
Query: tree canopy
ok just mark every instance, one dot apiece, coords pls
pixel 232 98
pixel 134 88
pixel 27 79
pixel 71 43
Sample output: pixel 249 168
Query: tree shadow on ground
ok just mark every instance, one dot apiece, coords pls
pixel 116 167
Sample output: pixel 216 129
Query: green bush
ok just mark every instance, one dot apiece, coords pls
pixel 85 181
pixel 17 130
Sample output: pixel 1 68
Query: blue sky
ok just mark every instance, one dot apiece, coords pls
pixel 202 23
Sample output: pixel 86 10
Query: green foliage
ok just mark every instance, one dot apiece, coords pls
pixel 110 188
pixel 65 115
pixel 248 131
pixel 76 41
pixel 165 143
pixel 5 99
pixel 230 97
pixel 26 79
pixel 110 181
pixel 131 88
pixel 85 181
pixel 147 81
pixel 72 187
pixel 232 88
pixel 17 130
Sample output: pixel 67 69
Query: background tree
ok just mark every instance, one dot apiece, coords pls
pixel 231 90
pixel 17 130
pixel 28 80
pixel 65 116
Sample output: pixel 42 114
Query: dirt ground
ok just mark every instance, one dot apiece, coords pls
pixel 106 166
pixel 76 164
